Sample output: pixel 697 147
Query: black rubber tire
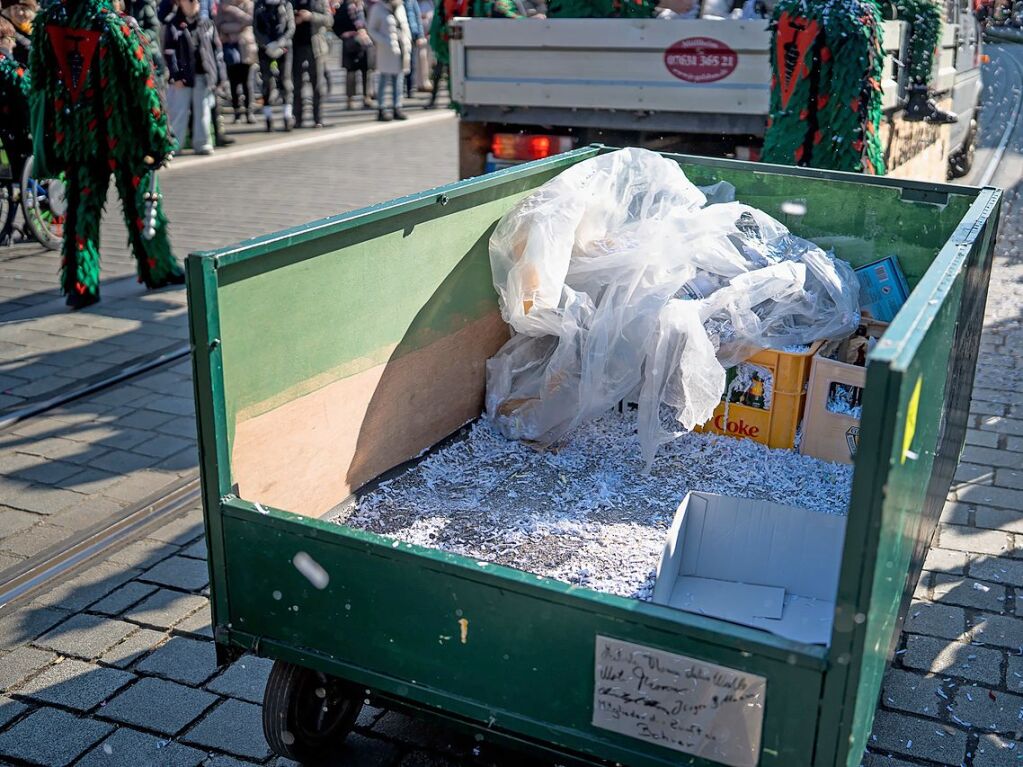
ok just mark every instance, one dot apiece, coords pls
pixel 47 236
pixel 960 163
pixel 308 714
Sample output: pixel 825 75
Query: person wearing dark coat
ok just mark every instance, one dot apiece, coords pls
pixel 312 19
pixel 273 23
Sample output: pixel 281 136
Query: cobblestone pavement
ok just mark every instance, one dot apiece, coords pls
pixel 76 465
pixel 116 665
pixel 211 202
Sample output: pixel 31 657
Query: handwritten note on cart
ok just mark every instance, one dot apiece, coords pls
pixel 678 702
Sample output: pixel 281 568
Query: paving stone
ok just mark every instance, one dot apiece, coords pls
pixel 945 561
pixel 163 446
pixel 174 405
pixel 10 710
pixel 41 499
pixel 13 521
pixel 179 426
pixel 992 457
pixel 138 486
pixel 910 692
pixel 180 573
pixel 950 589
pixel 93 583
pixel 198 623
pixel 956 513
pixel 85 636
pixel 134 647
pixel 938 656
pixel 51 737
pixel 26 624
pixel 998 630
pixel 48 472
pixel 196 550
pixel 74 684
pixel 1009 478
pixel 179 706
pixel 919 738
pixel 993 751
pixel 982 438
pixel 180 531
pixel 245 679
pixel 936 620
pixel 131 748
pixel 997 570
pixel 235 727
pixel 143 553
pixel 184 660
pixel 165 608
pixel 1009 520
pixel 35 540
pixel 986 709
pixel 21 663
pixel 122 462
pixel 121 599
pixel 960 538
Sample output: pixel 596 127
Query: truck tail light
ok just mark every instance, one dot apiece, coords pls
pixel 528 146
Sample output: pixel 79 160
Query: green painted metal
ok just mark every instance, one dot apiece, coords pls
pixel 389 616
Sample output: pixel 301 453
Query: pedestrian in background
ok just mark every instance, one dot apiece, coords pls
pixel 274 26
pixel 356 45
pixel 424 63
pixel 20 15
pixel 195 67
pixel 312 19
pixel 415 25
pixel 392 40
pixel 234 23
pixel 145 13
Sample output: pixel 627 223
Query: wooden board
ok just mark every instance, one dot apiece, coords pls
pixel 312 452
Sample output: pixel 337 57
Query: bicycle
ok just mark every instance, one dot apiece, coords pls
pixel 42 203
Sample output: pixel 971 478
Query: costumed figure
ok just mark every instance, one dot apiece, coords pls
pixel 97 111
pixel 440 29
pixel 826 66
pixel 14 117
pixel 924 18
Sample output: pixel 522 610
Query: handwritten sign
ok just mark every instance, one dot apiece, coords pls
pixel 677 702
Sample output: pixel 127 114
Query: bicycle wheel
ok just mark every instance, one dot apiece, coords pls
pixel 44 206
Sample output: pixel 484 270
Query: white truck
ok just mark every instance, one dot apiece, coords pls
pixel 529 88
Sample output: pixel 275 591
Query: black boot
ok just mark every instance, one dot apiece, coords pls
pixel 383 116
pixel 921 108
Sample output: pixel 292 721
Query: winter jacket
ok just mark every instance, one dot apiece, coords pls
pixel 145 13
pixel 273 23
pixel 314 31
pixel 388 26
pixel 234 23
pixel 188 42
pixel 415 18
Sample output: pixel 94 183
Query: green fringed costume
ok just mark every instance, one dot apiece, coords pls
pixel 826 66
pixel 924 17
pixel 97 111
pixel 440 30
pixel 14 135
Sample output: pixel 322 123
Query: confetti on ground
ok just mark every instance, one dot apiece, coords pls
pixel 585 513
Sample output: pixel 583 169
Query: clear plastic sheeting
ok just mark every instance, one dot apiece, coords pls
pixel 621 283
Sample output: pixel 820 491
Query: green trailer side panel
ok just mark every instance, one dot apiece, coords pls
pixel 506 648
pixel 915 410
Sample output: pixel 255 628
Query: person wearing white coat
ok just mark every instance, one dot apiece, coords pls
pixel 388 26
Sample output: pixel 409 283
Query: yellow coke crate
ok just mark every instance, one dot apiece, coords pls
pixel 775 426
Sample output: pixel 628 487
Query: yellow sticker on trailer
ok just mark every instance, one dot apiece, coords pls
pixel 914 406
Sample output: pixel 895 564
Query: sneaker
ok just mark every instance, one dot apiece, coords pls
pixel 205 150
pixel 319 125
pixel 290 124
pixel 383 116
pixel 249 119
pixel 399 115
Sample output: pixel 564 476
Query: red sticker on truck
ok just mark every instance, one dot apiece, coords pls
pixel 700 60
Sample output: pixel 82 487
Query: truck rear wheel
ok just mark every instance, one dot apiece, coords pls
pixel 307 714
pixel 960 162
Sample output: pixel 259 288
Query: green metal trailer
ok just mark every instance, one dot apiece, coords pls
pixel 327 355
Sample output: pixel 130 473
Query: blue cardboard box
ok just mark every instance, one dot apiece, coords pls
pixel 883 288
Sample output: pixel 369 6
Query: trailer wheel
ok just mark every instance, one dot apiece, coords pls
pixel 307 714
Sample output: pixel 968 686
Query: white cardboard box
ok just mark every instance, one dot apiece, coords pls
pixel 757 563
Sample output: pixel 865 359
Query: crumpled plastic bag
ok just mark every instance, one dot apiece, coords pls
pixel 621 283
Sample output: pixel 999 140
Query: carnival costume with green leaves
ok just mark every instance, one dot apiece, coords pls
pixel 924 18
pixel 602 9
pixel 440 29
pixel 826 67
pixel 96 111
pixel 14 134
